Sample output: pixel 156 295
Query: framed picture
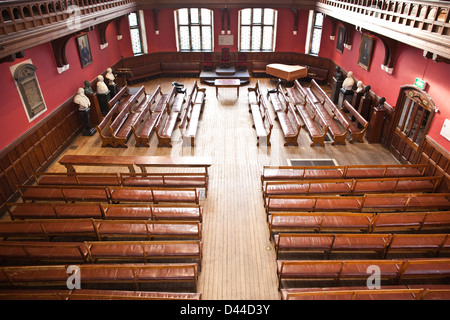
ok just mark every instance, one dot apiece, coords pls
pixel 340 39
pixel 365 51
pixel 84 49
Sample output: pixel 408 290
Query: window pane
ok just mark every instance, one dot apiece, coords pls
pixel 194 15
pixel 257 15
pixel 183 17
pixel 195 38
pixel 132 18
pixel 206 16
pixel 206 38
pixel 267 38
pixel 245 38
pixel 315 42
pixel 245 16
pixel 184 38
pixel 318 22
pixel 256 38
pixel 135 41
pixel 268 16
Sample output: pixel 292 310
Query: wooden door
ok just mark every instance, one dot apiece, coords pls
pixel 413 114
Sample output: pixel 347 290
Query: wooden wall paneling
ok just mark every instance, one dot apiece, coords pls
pixel 37 149
pixel 437 160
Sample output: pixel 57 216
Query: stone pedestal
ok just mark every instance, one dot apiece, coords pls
pixel 335 87
pixel 112 89
pixel 376 125
pixel 103 99
pixel 345 95
pixel 86 118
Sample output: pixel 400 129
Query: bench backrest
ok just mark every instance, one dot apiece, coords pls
pixel 107 119
pixel 119 120
pixel 118 96
pixel 355 114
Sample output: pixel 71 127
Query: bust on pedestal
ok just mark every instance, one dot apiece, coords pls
pixel 84 103
pixel 103 95
pixel 110 82
pixel 338 78
pixel 347 89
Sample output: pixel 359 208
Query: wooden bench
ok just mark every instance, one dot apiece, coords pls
pixel 278 173
pixel 317 135
pixel 338 271
pixel 424 292
pixel 358 129
pixel 290 125
pixel 365 203
pixel 99 276
pixel 259 67
pixel 100 229
pixel 194 109
pixel 338 133
pixel 108 194
pixel 318 222
pixel 144 71
pixel 144 126
pixel 71 160
pixel 381 244
pixel 103 128
pixel 58 210
pixel 262 121
pixel 165 126
pixel 318 74
pixel 180 68
pixel 352 186
pixel 120 128
pixel 120 98
pixel 161 99
pixel 91 294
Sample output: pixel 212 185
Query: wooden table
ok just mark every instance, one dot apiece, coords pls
pixel 227 83
pixel 183 162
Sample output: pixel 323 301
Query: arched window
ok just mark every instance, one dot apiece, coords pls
pixel 136 40
pixel 257 29
pixel 194 28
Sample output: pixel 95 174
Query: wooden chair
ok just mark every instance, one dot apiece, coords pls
pixel 208 64
pixel 242 61
pixel 225 58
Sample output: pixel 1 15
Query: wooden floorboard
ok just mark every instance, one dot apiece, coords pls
pixel 238 258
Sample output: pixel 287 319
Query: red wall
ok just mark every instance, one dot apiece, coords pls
pixel 166 40
pixel 56 88
pixel 409 65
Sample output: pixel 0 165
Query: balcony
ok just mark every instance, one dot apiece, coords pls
pixel 24 24
pixel 421 24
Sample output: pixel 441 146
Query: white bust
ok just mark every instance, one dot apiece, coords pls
pixel 110 76
pixel 102 88
pixel 80 98
pixel 359 86
pixel 349 81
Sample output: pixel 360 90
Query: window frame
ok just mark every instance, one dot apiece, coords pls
pixel 138 28
pixel 315 26
pixel 189 26
pixel 262 25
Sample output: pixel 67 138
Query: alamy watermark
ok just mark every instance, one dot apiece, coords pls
pixel 74 280
pixel 374 280
pixel 74 21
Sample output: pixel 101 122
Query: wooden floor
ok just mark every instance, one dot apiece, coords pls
pixel 238 258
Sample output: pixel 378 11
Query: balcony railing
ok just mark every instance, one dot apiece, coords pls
pixel 423 24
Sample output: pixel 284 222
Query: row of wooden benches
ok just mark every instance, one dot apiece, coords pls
pixel 364 203
pixel 314 107
pixel 137 276
pixel 108 194
pixel 279 173
pixel 197 180
pixel 405 292
pixel 338 272
pixel 285 115
pixel 91 294
pixel 353 186
pixel 381 244
pixel 262 121
pixel 353 222
pixel 99 229
pixel 58 210
pixel 37 252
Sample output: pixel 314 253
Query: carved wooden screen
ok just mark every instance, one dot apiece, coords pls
pixel 412 119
